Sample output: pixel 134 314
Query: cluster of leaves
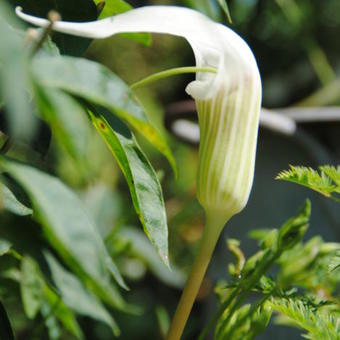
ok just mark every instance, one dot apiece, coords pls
pixel 327 182
pixel 46 93
pixel 302 290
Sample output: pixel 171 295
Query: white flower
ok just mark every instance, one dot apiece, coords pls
pixel 228 102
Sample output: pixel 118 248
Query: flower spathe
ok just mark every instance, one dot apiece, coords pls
pixel 228 102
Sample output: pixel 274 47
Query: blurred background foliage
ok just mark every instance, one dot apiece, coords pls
pixel 296 45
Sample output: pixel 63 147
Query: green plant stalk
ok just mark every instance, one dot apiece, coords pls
pixel 171 72
pixel 247 315
pixel 212 230
pixel 262 269
pixel 217 315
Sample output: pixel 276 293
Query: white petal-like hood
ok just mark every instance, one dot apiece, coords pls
pixel 228 102
pixel 213 44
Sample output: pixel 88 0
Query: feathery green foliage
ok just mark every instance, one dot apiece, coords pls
pixel 316 320
pixel 327 182
pixel 334 263
pixel 302 292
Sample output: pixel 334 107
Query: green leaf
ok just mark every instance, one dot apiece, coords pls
pixel 77 297
pixel 163 320
pixel 67 119
pixel 143 183
pixel 97 84
pixel 320 324
pixel 14 77
pixel 334 263
pixel 142 38
pixel 31 287
pixel 224 6
pixel 6 332
pixel 140 248
pixel 10 203
pixel 333 173
pixel 326 183
pixel 69 229
pixel 53 306
pixel 246 323
pixel 113 7
pixel 41 297
pixel 5 247
pixel 294 229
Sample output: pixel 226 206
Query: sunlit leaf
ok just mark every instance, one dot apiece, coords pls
pixel 143 183
pixel 327 182
pixel 320 324
pixel 112 7
pixel 97 84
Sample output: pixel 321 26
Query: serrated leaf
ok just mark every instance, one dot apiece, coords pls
pixel 77 297
pixel 318 323
pixel 326 182
pixel 97 84
pixel 143 183
pixel 10 202
pixel 69 229
pixel 333 173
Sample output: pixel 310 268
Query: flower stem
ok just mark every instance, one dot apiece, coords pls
pixel 209 239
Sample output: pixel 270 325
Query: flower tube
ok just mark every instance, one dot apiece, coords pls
pixel 228 105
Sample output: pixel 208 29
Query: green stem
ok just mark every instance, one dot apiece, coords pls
pixel 244 289
pixel 209 239
pixel 168 73
pixel 261 270
pixel 224 306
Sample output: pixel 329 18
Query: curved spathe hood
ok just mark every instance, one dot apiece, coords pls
pixel 228 102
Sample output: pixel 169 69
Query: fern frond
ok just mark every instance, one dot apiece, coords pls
pixel 335 262
pixel 326 182
pixel 333 173
pixel 318 322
